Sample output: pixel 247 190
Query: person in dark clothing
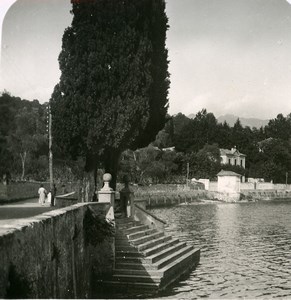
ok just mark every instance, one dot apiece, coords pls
pixel 54 192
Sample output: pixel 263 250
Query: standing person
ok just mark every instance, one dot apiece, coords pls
pixel 49 198
pixel 54 192
pixel 42 194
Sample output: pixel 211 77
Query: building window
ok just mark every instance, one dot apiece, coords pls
pixel 241 163
pixel 235 162
pixel 229 161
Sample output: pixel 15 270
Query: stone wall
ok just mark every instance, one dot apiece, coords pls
pixel 257 195
pixel 66 200
pixel 173 198
pixel 58 254
pixel 25 190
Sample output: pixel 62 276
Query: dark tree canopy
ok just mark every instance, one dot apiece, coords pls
pixel 112 93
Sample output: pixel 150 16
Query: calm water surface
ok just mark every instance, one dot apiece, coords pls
pixel 245 249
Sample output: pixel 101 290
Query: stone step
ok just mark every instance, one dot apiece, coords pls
pixel 135 229
pixel 131 259
pixel 139 234
pixel 144 272
pixel 136 278
pixel 134 235
pixel 125 248
pixel 124 220
pixel 186 261
pixel 147 259
pixel 170 258
pixel 131 251
pixel 153 243
pixel 128 225
pixel 121 285
pixel 183 265
pixel 164 253
pixel 134 266
pixel 147 238
pixel 123 254
pixel 168 252
pixel 160 247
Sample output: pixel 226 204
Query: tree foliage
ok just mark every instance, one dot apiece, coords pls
pixel 112 93
pixel 23 138
pixel 267 149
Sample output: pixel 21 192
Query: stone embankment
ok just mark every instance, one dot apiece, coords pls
pixel 58 254
pixel 261 195
pixel 162 196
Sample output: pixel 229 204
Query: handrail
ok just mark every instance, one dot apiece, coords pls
pixel 150 214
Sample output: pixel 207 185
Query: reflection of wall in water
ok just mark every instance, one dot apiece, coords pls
pixel 228 229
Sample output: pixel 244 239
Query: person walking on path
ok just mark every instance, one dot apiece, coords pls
pixel 54 192
pixel 42 194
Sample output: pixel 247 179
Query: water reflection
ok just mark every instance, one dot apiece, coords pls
pixel 246 249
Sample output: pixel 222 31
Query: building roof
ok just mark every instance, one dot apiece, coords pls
pixel 231 152
pixel 228 173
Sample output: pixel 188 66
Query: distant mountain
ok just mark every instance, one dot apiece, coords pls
pixel 251 122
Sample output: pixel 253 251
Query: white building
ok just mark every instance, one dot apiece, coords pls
pixel 232 157
pixel 228 182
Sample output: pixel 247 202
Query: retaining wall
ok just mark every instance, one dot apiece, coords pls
pixel 173 197
pixel 257 195
pixel 24 190
pixel 264 186
pixel 58 254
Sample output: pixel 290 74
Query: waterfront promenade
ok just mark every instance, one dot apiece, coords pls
pixel 11 212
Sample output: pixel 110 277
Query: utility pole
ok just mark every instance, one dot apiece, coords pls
pixel 187 176
pixel 50 147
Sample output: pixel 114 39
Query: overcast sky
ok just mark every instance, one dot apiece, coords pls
pixel 228 56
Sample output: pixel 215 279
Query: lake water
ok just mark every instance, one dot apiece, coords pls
pixel 245 249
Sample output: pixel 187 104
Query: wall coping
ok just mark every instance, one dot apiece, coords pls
pixel 150 214
pixel 20 224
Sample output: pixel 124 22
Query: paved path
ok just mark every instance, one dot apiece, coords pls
pixel 9 213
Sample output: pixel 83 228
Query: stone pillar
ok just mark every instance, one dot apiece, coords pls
pixel 127 199
pixel 107 195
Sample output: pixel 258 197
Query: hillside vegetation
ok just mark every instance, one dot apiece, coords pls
pixel 184 146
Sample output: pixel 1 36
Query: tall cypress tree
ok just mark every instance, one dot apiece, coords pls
pixel 113 89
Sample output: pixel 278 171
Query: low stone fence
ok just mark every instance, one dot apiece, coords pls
pixel 15 191
pixel 58 254
pixel 66 200
pixel 173 198
pixel 257 195
pixel 264 186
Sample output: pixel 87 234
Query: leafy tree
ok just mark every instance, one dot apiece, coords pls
pixel 206 163
pixel 24 141
pixel 280 127
pixel 112 93
pixel 223 137
pixel 22 134
pixel 164 138
pixel 184 140
pixel 194 134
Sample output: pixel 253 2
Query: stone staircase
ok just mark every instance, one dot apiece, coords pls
pixel 147 259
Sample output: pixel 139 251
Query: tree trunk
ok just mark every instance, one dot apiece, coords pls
pixel 23 159
pixel 95 183
pixel 88 187
pixel 111 165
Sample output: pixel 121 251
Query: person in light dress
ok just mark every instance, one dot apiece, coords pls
pixel 42 194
